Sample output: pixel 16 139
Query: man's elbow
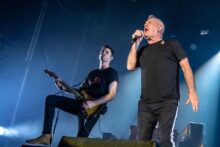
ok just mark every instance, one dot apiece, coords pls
pixel 130 68
pixel 111 96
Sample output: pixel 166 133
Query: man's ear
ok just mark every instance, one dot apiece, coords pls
pixel 160 28
pixel 112 57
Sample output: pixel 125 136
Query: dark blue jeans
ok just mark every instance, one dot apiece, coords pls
pixel 148 116
pixel 68 105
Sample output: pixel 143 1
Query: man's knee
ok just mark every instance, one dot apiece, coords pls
pixel 49 99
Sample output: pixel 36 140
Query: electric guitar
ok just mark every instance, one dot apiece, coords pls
pixel 80 95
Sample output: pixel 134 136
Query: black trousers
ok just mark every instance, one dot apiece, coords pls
pixel 148 116
pixel 71 106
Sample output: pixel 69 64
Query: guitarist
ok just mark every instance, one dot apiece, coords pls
pixel 100 84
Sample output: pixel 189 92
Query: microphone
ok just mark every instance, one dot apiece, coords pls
pixel 135 39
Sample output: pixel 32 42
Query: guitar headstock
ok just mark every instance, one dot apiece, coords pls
pixel 50 73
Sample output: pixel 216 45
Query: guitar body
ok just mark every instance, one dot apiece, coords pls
pixel 92 111
pixel 80 95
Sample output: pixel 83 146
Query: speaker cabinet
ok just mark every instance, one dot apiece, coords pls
pixel 193 135
pixel 92 142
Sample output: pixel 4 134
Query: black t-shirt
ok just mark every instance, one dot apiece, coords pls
pixel 159 64
pixel 98 81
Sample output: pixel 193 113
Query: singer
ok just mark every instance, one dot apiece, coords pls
pixel 159 61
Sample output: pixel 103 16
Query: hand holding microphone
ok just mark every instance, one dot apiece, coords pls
pixel 137 36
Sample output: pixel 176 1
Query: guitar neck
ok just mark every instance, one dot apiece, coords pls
pixel 71 90
pixel 68 88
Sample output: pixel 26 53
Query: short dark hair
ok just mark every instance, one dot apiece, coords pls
pixel 109 47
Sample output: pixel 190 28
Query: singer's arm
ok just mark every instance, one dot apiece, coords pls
pixel 188 74
pixel 132 57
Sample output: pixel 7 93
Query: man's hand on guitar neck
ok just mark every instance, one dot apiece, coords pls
pixel 89 104
pixel 59 85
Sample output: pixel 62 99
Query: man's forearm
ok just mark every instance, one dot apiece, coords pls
pixel 189 79
pixel 132 58
pixel 104 99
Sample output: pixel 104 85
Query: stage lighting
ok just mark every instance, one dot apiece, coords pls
pixel 204 32
pixel 8 132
